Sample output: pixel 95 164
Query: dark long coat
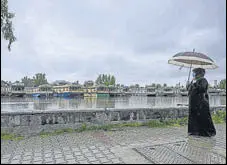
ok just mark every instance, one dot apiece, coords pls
pixel 199 122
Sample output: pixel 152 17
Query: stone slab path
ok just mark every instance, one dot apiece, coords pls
pixel 134 145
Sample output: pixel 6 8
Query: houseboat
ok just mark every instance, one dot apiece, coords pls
pixel 90 91
pixel 17 90
pixel 151 91
pixel 5 88
pixel 213 91
pixel 68 90
pixel 223 92
pixel 29 91
pixel 183 92
pixel 168 91
pixel 126 91
pixel 114 91
pixel 102 91
pixel 44 90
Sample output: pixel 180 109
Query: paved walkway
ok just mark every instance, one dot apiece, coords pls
pixel 140 145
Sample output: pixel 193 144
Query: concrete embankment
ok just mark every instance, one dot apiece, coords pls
pixel 28 123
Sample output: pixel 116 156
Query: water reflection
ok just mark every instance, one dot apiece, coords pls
pixel 105 103
pixel 21 104
pixel 90 102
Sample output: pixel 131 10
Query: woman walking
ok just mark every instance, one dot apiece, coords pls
pixel 199 122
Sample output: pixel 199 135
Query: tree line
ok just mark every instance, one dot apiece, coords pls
pixel 222 84
pixel 38 79
pixel 104 79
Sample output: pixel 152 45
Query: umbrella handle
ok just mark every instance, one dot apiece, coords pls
pixel 189 73
pixel 190 69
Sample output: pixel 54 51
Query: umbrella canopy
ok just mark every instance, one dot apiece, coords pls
pixel 192 60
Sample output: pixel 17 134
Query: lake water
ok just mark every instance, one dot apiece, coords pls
pixel 31 104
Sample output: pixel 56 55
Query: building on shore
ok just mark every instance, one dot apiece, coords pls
pixel 183 92
pixel 90 91
pixel 30 90
pixel 102 91
pixel 151 91
pixel 68 90
pixel 5 88
pixel 168 91
pixel 17 90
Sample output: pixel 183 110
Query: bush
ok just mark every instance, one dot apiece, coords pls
pixel 219 117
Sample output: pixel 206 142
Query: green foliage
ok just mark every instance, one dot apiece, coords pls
pixel 6 23
pixel 104 79
pixel 40 79
pixel 131 124
pixel 153 85
pixel 82 128
pixel 6 136
pixel 168 122
pixel 28 82
pixel 158 85
pixel 222 84
pixel 219 117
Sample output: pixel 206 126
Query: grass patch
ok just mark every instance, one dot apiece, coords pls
pixel 6 136
pixel 167 123
pixel 219 117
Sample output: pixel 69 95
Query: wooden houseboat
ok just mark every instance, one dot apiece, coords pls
pixel 5 88
pixel 168 91
pixel 151 91
pixel 102 91
pixel 17 90
pixel 183 92
pixel 68 90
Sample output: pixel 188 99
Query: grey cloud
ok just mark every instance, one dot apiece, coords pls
pixel 138 29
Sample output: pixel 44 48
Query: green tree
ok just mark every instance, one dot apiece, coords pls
pixel 112 80
pixel 102 79
pixel 164 85
pixel 99 80
pixel 222 84
pixel 105 79
pixel 158 85
pixel 109 78
pixel 6 23
pixel 153 85
pixel 28 82
pixel 40 79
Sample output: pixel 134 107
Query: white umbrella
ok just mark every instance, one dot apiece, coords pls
pixel 192 60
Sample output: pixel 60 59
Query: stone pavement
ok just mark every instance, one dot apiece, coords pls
pixel 141 145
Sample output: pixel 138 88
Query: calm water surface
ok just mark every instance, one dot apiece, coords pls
pixel 31 104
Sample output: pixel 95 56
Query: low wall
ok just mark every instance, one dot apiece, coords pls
pixel 29 123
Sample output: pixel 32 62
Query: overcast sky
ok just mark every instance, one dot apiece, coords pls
pixel 131 39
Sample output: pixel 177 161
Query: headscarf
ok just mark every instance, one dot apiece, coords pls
pixel 199 72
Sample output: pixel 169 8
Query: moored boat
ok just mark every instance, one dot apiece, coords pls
pixel 167 91
pixel 183 92
pixel 17 90
pixel 68 90
pixel 151 91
